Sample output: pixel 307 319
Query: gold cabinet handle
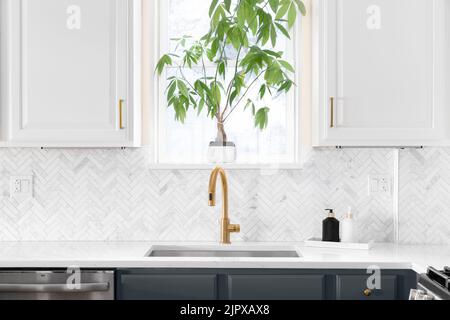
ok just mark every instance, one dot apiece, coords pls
pixel 121 127
pixel 367 292
pixel 332 112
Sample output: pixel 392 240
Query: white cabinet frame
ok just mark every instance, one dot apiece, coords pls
pixel 18 134
pixel 325 134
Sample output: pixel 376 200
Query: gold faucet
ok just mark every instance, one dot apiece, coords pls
pixel 226 228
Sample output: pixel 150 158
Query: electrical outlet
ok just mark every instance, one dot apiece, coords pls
pixel 21 187
pixel 379 184
pixel 17 186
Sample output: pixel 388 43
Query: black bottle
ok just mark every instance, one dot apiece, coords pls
pixel 330 228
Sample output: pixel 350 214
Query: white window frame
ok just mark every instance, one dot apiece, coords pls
pixel 154 86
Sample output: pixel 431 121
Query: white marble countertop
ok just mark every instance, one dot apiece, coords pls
pixel 132 255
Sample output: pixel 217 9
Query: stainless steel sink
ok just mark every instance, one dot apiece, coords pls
pixel 223 252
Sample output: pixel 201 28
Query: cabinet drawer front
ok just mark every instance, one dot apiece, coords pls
pixel 276 287
pixel 353 287
pixel 168 287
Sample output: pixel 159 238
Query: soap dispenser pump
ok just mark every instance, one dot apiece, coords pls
pixel 330 228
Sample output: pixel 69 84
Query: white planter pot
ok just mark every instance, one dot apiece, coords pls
pixel 221 153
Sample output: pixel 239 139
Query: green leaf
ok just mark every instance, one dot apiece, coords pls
pixel 287 65
pixel 171 101
pixel 274 5
pixel 215 90
pixel 292 15
pixel 183 88
pixel 165 60
pixel 262 91
pixel 233 96
pixel 222 28
pixel 283 30
pixel 213 6
pixel 180 111
pixel 273 75
pixel 264 34
pixel 227 5
pixel 252 105
pixel 210 55
pixel 301 7
pixel 214 47
pixel 273 35
pixel 273 53
pixel 253 25
pixel 201 105
pixel 171 89
pixel 221 68
pixel 192 100
pixel 286 86
pixel 234 36
pixel 218 14
pixel 282 11
pixel 187 60
pixel 262 118
pixel 178 104
pixel 241 15
pixel 238 82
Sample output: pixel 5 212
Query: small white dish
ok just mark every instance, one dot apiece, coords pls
pixel 317 243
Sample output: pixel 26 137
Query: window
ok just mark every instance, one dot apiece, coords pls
pixel 187 143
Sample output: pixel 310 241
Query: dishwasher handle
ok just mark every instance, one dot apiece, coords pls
pixel 55 288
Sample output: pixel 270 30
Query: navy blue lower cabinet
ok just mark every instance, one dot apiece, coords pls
pixel 261 284
pixel 356 288
pixel 394 285
pixel 168 287
pixel 276 287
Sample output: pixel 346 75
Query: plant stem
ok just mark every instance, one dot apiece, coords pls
pixel 204 70
pixel 221 134
pixel 190 85
pixel 235 73
pixel 198 94
pixel 222 54
pixel 232 80
pixel 243 96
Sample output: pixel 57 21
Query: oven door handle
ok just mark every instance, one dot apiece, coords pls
pixel 56 288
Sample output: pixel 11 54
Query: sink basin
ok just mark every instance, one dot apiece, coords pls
pixel 223 252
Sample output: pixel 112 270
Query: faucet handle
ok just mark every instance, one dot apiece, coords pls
pixel 212 199
pixel 235 228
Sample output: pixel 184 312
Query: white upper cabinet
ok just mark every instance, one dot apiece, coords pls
pixel 71 73
pixel 381 72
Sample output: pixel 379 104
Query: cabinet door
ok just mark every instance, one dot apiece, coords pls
pixel 276 287
pixel 381 72
pixel 351 287
pixel 167 287
pixel 69 72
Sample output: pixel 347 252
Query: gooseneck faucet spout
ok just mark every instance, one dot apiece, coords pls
pixel 226 228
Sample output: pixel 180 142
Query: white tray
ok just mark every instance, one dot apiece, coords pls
pixel 317 243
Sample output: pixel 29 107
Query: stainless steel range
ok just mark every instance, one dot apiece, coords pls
pixel 434 285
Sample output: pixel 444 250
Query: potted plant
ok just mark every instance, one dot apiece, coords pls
pixel 243 34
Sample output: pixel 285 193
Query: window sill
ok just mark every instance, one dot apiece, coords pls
pixel 243 166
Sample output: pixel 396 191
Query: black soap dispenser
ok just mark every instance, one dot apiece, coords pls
pixel 330 228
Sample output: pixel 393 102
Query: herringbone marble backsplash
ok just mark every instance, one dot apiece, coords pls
pixel 112 195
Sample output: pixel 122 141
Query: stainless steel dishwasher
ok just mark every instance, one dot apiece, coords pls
pixel 56 285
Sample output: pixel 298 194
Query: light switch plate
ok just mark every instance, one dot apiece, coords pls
pixel 21 187
pixel 379 184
